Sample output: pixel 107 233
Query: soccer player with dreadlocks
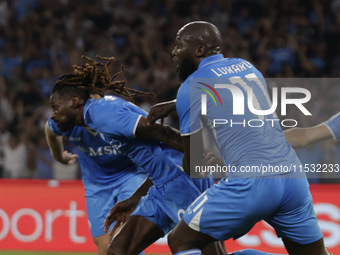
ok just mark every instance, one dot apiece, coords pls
pixel 122 124
pixel 108 176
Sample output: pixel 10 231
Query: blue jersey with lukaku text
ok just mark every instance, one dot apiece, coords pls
pixel 251 144
pixel 100 163
pixel 116 120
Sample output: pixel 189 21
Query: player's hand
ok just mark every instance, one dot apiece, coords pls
pixel 160 111
pixel 211 160
pixel 120 213
pixel 68 158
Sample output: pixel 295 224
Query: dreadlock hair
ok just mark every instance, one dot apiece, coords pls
pixel 69 85
pixel 94 78
pixel 101 81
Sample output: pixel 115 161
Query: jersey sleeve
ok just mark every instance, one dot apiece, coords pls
pixel 188 106
pixel 115 118
pixel 52 126
pixel 333 125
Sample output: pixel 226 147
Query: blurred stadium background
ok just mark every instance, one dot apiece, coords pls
pixel 40 39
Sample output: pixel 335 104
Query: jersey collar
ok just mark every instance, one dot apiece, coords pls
pixel 210 59
pixel 87 106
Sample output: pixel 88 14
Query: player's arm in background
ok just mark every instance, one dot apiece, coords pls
pixel 148 128
pixel 160 111
pixel 122 210
pixel 128 121
pixel 191 144
pixel 301 137
pixel 55 142
pixel 170 136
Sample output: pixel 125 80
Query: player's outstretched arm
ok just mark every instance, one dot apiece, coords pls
pixel 170 136
pixel 333 124
pixel 160 111
pixel 301 137
pixel 122 210
pixel 57 148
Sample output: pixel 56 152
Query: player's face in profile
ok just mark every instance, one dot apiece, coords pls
pixel 183 56
pixel 62 112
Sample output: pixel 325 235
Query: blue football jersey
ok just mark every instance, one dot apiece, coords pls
pixel 116 121
pixel 100 163
pixel 252 145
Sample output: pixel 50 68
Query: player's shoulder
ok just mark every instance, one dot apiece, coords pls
pixel 243 63
pixel 103 104
pixel 117 102
pixel 184 90
pixel 106 100
pixel 95 111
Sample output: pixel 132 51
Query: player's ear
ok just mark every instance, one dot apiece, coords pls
pixel 76 102
pixel 200 51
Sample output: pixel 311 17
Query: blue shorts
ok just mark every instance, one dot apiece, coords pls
pixel 100 202
pixel 231 208
pixel 165 205
pixel 203 183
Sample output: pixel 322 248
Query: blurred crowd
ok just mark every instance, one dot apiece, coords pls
pixel 41 39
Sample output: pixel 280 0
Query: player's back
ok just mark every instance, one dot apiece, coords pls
pixel 247 141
